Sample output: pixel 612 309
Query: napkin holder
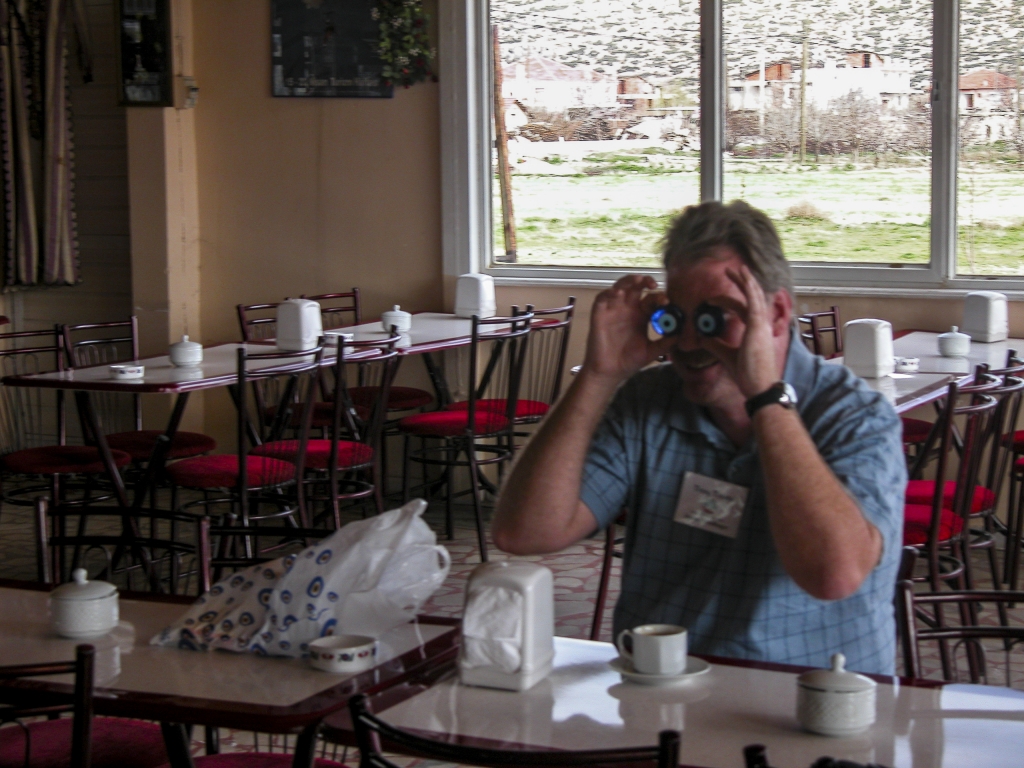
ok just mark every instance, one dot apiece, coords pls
pixel 985 316
pixel 299 325
pixel 508 626
pixel 474 295
pixel 867 348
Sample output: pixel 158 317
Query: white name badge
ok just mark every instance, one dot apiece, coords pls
pixel 711 505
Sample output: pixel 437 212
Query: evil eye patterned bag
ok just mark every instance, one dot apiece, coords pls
pixel 369 576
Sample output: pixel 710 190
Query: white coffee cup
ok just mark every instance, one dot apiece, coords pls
pixel 657 649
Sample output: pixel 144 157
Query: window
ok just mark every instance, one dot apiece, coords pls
pixel 881 111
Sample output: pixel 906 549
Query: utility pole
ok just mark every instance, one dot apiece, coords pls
pixel 803 97
pixel 760 92
pixel 504 172
pixel 1020 109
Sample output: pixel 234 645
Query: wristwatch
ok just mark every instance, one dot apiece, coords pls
pixel 780 392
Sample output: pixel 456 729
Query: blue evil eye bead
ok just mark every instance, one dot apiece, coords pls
pixel 266 637
pixel 668 320
pixel 332 596
pixel 309 553
pixel 710 320
pixel 288 621
pixel 235 582
pixel 323 557
pixel 227 625
pixel 329 628
pixel 268 573
pixel 284 645
pixel 259 650
pixel 264 596
pixel 217 589
pixel 208 616
pixel 316 586
pixel 247 586
pixel 246 619
pixel 273 618
pixel 286 597
pixel 288 562
pixel 189 622
pixel 229 601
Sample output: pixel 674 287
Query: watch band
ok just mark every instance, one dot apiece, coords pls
pixel 781 393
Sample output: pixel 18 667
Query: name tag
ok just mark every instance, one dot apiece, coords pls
pixel 711 505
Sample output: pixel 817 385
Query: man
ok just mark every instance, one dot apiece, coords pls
pixel 770 529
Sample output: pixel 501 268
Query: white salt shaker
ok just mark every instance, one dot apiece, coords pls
pixel 834 702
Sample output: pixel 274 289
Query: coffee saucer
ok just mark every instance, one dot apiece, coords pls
pixel 694 668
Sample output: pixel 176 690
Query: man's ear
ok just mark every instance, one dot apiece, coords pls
pixel 781 309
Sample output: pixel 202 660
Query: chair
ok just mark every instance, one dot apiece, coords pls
pixel 246 478
pixel 360 455
pixel 372 732
pixel 611 541
pixel 257 321
pixel 29 425
pixel 88 344
pixel 939 529
pixel 815 325
pixel 960 644
pixel 334 307
pixel 460 431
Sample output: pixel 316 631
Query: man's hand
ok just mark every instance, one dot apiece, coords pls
pixel 618 345
pixel 752 364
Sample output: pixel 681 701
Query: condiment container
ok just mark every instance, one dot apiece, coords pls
pixel 834 702
pixel 985 316
pixel 126 372
pixel 867 349
pixel 954 344
pixel 343 653
pixel 299 325
pixel 397 318
pixel 474 295
pixel 185 353
pixel 83 608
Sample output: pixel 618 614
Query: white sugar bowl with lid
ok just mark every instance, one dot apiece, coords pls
pixel 834 702
pixel 186 353
pixel 83 608
pixel 952 343
pixel 396 317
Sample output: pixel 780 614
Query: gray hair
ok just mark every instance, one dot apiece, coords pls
pixel 699 229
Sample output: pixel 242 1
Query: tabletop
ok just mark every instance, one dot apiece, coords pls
pixel 924 346
pixel 236 690
pixel 584 704
pixel 429 332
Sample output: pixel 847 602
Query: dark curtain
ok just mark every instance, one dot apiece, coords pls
pixel 38 235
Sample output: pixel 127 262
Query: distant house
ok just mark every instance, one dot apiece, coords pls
pixel 986 90
pixel 884 81
pixel 636 94
pixel 541 83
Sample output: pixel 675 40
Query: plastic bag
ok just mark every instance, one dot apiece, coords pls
pixel 369 576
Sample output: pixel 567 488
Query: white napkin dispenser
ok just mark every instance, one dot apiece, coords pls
pixel 299 325
pixel 985 316
pixel 867 348
pixel 508 626
pixel 474 295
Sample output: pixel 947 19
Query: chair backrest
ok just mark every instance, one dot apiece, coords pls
pixel 51 704
pixel 814 326
pixel 257 321
pixel 999 443
pixel 371 731
pixel 338 309
pixel 508 339
pixel 549 342
pixel 149 551
pixel 87 344
pixel 227 549
pixel 966 641
pixel 29 416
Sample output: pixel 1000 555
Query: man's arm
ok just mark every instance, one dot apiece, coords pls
pixel 539 509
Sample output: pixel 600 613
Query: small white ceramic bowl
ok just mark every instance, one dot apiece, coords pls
pixel 908 364
pixel 834 702
pixel 125 372
pixel 83 608
pixel 347 654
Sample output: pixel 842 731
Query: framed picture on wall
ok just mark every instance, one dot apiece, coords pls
pixel 326 48
pixel 145 55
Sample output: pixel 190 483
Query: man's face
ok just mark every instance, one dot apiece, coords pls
pixel 705 380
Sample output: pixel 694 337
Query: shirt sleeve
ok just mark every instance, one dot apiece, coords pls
pixel 608 471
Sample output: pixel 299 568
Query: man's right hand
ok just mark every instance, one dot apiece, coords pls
pixel 618 345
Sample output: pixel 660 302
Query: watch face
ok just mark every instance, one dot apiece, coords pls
pixel 789 393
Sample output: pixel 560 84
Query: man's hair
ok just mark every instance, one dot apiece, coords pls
pixel 699 229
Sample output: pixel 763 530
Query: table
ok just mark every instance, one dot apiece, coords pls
pixel 584 704
pixel 244 691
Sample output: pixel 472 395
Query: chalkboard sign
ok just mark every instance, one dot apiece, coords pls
pixel 144 53
pixel 326 48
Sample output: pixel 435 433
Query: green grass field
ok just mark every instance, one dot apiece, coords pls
pixel 827 213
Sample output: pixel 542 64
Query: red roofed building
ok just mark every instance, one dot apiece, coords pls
pixel 987 90
pixel 541 83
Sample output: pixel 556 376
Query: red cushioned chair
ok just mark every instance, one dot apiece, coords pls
pixel 87 344
pixel 79 741
pixel 29 425
pixel 347 469
pixel 937 530
pixel 542 370
pixel 461 432
pixel 250 479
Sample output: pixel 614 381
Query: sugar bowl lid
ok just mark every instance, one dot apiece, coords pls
pixel 954 333
pixel 837 679
pixel 396 311
pixel 185 345
pixel 80 588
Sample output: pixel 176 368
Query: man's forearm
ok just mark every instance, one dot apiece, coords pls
pixel 538 509
pixel 823 539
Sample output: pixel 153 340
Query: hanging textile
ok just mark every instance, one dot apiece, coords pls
pixel 39 238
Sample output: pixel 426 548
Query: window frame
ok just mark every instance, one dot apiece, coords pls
pixel 466 82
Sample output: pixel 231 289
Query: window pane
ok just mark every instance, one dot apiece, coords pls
pixel 990 190
pixel 860 189
pixel 599 100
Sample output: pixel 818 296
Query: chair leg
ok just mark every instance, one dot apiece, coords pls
pixel 405 471
pixel 602 586
pixel 450 456
pixel 475 486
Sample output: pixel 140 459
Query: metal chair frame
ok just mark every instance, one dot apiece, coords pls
pixel 816 330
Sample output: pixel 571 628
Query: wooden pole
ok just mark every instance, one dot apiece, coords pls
pixel 803 100
pixel 504 171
